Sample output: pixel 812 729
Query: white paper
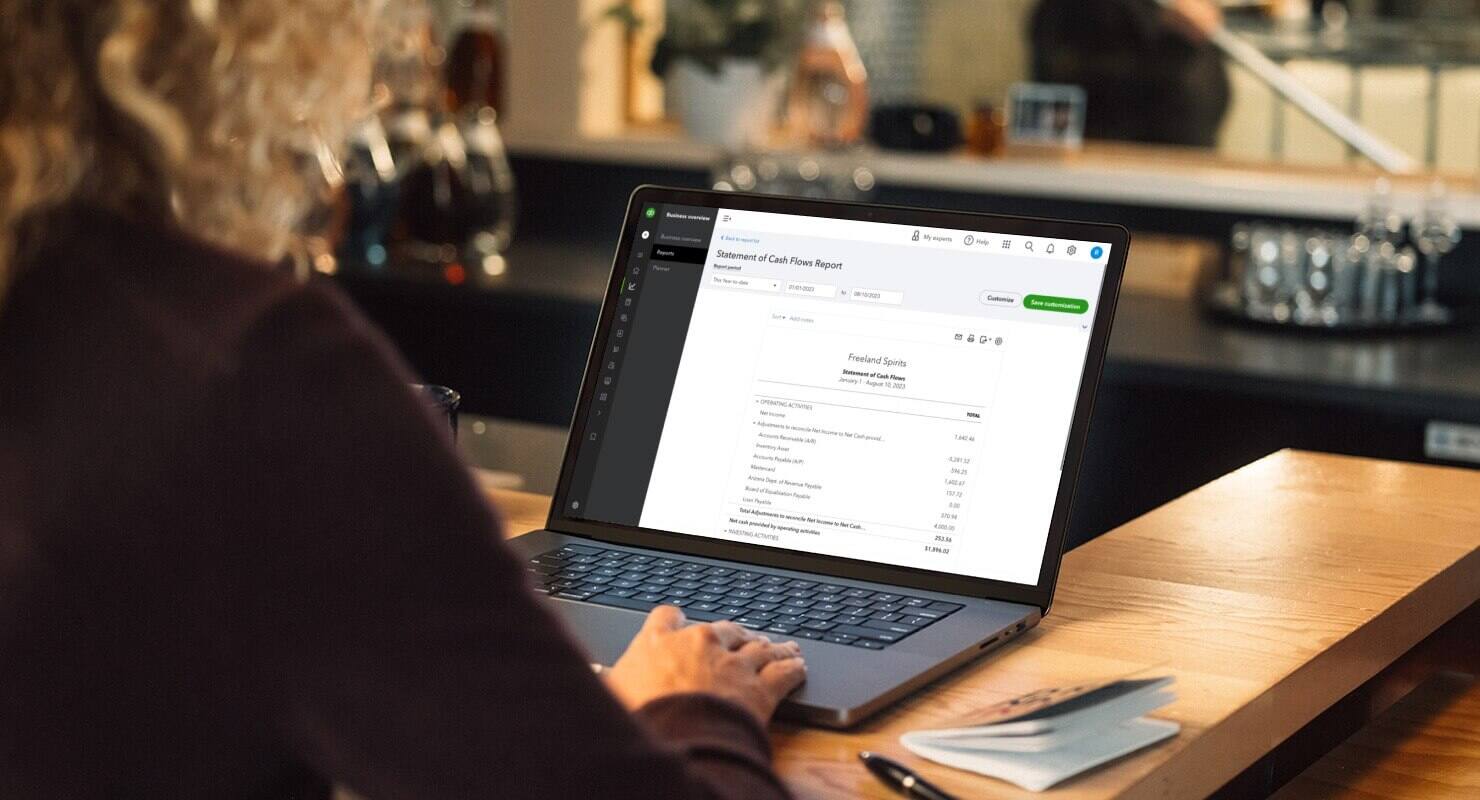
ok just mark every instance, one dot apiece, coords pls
pixel 1039 771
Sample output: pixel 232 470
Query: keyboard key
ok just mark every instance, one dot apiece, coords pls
pixel 650 597
pixel 572 594
pixel 720 571
pixel 598 579
pixel 831 597
pixel 774 580
pixel 633 603
pixel 639 559
pixel 803 633
pixel 743 594
pixel 858 593
pixel 675 601
pixel 584 560
pixel 884 597
pixel 623 583
pixel 653 587
pixel 830 588
pixel 743 575
pixel 828 607
pixel 928 613
pixel 582 549
pixel 819 615
pixel 781 629
pixel 889 626
pixel 732 611
pixel 916 621
pixel 839 638
pixel 870 633
pixel 683 584
pixel 887 606
pixel 620 592
pixel 946 607
pixel 790 619
pixel 704 605
pixel 761 615
pixel 850 620
pixel 707 597
pixel 771 597
pixel 666 562
pixel 744 584
pixel 800 584
pixel 580 569
pixel 916 601
pixel 760 606
pixel 751 622
pixel 702 616
pixel 818 625
pixel 542 569
pixel 868 644
pixel 888 617
pixel 678 592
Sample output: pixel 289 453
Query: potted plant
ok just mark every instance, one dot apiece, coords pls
pixel 724 64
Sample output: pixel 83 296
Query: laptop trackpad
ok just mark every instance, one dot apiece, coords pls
pixel 604 631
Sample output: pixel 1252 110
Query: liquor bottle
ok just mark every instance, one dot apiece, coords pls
pixel 829 97
pixel 475 64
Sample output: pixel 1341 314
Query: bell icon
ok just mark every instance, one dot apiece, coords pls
pixel 1050 247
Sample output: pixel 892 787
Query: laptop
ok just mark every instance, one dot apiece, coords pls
pixel 853 426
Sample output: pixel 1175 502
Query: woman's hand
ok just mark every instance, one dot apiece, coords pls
pixel 719 658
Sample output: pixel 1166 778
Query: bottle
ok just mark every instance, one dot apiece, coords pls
pixel 475 64
pixel 829 97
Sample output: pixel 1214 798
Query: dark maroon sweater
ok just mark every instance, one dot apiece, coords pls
pixel 240 558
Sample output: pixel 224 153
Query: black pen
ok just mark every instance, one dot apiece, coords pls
pixel 901 778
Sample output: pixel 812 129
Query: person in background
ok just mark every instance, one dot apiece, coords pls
pixel 239 557
pixel 1148 70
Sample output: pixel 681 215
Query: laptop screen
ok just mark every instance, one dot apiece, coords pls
pixel 869 390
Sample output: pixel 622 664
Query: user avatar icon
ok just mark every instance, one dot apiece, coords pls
pixel 915 237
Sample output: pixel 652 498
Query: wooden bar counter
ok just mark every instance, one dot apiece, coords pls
pixel 1270 594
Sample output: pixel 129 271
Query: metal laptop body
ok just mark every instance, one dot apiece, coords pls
pixel 845 683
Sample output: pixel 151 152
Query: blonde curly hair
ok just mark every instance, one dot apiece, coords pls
pixel 203 113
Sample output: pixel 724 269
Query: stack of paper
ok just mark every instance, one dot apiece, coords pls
pixel 1042 738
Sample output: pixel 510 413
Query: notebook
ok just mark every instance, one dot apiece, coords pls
pixel 1044 737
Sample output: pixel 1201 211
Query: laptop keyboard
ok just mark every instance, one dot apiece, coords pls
pixel 753 598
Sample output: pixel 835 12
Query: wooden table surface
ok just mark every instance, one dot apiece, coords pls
pixel 1269 593
pixel 1426 747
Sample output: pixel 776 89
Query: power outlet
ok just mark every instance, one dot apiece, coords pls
pixel 1451 441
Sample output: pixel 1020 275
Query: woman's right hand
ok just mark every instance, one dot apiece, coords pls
pixel 719 658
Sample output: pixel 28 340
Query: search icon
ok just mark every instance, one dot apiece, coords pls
pixel 1028 246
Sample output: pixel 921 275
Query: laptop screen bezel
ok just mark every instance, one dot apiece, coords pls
pixel 1039 595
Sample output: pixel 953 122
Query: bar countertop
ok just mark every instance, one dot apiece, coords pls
pixel 1157 341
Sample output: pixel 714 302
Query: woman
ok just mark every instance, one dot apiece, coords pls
pixel 1148 69
pixel 238 558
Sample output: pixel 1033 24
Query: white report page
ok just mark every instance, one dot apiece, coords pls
pixel 877 392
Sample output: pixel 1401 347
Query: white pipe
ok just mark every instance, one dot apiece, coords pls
pixel 1348 130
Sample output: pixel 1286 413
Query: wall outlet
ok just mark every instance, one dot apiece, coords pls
pixel 1451 441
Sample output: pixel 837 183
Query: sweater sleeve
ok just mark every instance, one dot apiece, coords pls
pixel 402 653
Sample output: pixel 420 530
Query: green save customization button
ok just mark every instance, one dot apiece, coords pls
pixel 1065 305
